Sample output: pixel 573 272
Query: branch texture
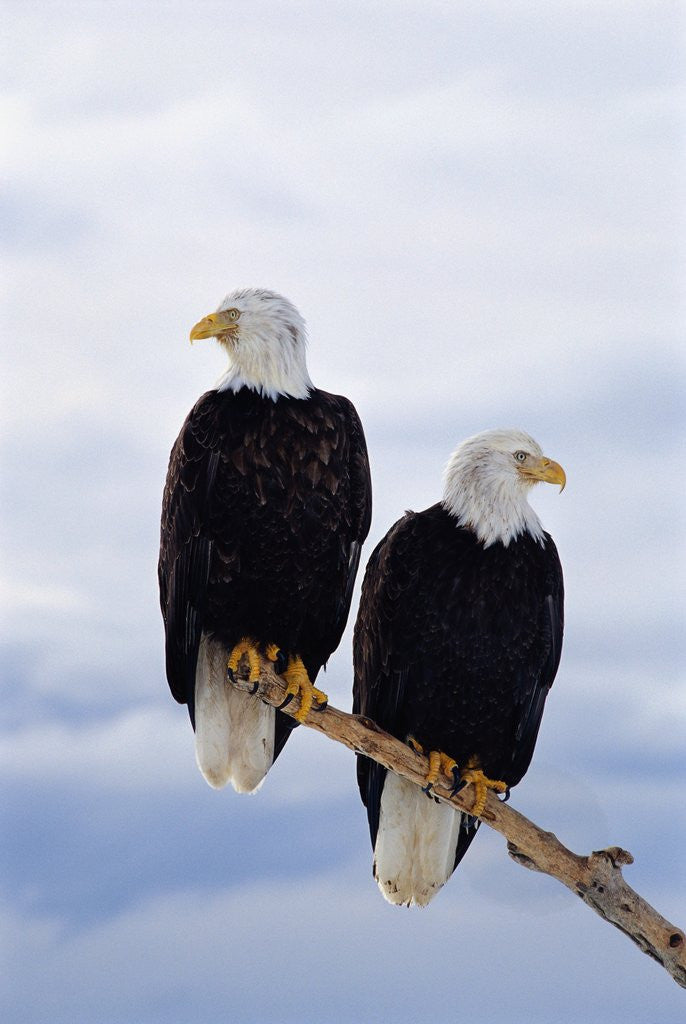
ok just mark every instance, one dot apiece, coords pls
pixel 597 878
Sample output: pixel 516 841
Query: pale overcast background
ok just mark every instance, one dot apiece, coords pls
pixel 475 207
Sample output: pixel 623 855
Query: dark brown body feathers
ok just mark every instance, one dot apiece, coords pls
pixel 457 645
pixel 265 509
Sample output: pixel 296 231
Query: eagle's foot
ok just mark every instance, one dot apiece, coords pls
pixel 299 685
pixel 273 653
pixel 440 762
pixel 245 647
pixel 481 784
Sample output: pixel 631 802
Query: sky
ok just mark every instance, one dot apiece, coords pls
pixel 476 208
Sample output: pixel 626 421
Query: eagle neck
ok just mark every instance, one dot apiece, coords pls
pixel 268 358
pixel 492 506
pixel 235 380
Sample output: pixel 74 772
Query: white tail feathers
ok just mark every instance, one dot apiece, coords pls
pixel 414 854
pixel 234 731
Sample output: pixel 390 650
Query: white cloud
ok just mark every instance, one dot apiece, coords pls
pixel 184 954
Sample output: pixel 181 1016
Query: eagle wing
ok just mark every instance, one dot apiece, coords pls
pixel 360 515
pixel 186 544
pixel 379 675
pixel 532 688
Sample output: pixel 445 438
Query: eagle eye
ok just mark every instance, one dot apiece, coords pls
pixel 234 314
pixel 520 456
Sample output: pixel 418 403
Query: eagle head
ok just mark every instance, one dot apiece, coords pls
pixel 487 480
pixel 266 340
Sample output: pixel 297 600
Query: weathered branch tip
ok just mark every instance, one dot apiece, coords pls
pixel 596 879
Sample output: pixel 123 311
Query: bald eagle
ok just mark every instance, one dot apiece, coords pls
pixel 456 646
pixel 266 505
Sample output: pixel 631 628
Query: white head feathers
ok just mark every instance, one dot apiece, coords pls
pixel 268 347
pixel 486 489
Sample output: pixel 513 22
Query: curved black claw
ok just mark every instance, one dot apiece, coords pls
pixel 320 707
pixel 427 788
pixel 458 782
pixel 229 675
pixel 255 687
pixel 280 663
pixel 506 796
pixel 284 703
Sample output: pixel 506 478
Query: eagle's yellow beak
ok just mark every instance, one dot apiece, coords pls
pixel 214 324
pixel 545 470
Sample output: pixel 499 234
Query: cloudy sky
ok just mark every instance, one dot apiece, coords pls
pixel 474 205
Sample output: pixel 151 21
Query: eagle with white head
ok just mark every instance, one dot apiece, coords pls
pixel 456 646
pixel 266 506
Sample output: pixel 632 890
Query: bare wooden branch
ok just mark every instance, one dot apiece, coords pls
pixel 597 878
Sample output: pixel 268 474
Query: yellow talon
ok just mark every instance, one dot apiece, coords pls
pixel 319 696
pixel 246 647
pixel 272 652
pixel 438 762
pixel 299 685
pixel 481 784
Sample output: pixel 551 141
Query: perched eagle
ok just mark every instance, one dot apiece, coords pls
pixel 266 505
pixel 456 645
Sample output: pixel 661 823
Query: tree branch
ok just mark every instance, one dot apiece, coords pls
pixel 597 879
